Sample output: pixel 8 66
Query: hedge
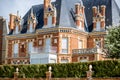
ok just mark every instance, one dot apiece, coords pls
pixel 77 70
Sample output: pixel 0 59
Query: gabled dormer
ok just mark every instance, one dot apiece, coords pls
pixel 32 22
pixel 99 18
pixel 79 16
pixel 50 14
pixel 14 24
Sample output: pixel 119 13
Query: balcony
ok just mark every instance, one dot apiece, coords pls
pixel 85 51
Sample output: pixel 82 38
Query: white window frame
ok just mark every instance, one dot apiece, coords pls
pixel 80 44
pixel 30 47
pixel 64 45
pixel 49 21
pixel 55 40
pixel 48 45
pixel 98 27
pixel 40 42
pixel 15 50
pixel 16 30
pixel 64 61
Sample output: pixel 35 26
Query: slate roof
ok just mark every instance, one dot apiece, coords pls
pixel 66 15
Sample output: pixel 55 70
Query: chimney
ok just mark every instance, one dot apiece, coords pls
pixel 103 7
pixel 77 8
pixel 46 3
pixel 94 11
pixel 54 17
pixel 11 23
pixel 79 16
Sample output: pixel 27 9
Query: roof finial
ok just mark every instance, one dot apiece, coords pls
pixel 17 13
pixel 31 11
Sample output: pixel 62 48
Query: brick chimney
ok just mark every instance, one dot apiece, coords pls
pixel 103 7
pixel 99 17
pixel 94 11
pixel 46 3
pixel 11 23
pixel 49 11
pixel 79 16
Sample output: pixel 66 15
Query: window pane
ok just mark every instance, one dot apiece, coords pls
pixel 48 45
pixel 64 61
pixel 31 28
pixel 98 26
pixel 30 47
pixel 80 44
pixel 64 45
pixel 16 48
pixel 50 21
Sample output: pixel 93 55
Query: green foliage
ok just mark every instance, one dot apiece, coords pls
pixel 76 70
pixel 113 42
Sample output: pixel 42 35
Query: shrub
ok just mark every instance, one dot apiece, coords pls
pixel 101 69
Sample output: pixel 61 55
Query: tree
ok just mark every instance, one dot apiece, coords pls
pixel 112 42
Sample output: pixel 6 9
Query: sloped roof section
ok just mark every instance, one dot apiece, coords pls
pixel 66 13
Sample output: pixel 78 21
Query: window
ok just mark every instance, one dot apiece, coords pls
pixel 98 26
pixel 49 21
pixel 83 59
pixel 30 47
pixel 64 45
pixel 16 30
pixel 47 45
pixel 30 28
pixel 22 48
pixel 55 40
pixel 64 61
pixel 52 61
pixel 15 50
pixel 80 44
pixel 40 42
pixel 80 25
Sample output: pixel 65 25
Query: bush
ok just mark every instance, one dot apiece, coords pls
pixel 101 69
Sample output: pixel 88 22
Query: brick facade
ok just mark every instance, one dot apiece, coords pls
pixel 78 39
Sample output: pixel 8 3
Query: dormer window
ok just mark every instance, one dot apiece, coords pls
pixel 49 21
pixel 16 31
pixel 31 28
pixel 98 26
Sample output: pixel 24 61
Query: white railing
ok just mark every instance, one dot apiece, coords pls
pixel 84 51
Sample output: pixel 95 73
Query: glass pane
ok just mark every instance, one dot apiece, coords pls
pixel 98 26
pixel 50 21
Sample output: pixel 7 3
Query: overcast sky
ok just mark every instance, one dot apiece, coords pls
pixel 11 6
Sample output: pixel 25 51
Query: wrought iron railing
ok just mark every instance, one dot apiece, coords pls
pixel 84 51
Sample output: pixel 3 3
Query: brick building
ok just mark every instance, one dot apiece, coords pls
pixel 3 32
pixel 60 32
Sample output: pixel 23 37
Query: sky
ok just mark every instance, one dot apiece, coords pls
pixel 12 6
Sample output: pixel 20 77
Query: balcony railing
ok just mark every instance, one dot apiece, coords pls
pixel 84 51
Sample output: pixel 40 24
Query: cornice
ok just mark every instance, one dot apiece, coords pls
pixel 21 36
pixel 61 30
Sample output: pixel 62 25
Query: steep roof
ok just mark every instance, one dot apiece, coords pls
pixel 66 15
